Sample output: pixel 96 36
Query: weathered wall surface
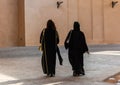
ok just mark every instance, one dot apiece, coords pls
pixel 111 22
pixel 8 23
pixel 38 12
pixel 36 15
pixel 85 18
pixel 97 21
pixel 21 21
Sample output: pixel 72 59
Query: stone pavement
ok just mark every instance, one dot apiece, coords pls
pixel 22 66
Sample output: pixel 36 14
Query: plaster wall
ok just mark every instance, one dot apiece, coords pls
pixel 37 14
pixel 8 23
pixel 21 21
pixel 97 21
pixel 85 18
pixel 111 22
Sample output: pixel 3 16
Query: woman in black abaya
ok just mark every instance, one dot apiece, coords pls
pixel 76 48
pixel 49 40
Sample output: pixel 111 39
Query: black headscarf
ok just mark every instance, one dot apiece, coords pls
pixel 76 26
pixel 50 24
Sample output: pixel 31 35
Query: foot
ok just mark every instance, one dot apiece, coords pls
pixel 75 74
pixel 61 62
pixel 51 75
pixel 82 72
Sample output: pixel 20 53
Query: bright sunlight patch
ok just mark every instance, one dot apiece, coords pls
pixel 113 79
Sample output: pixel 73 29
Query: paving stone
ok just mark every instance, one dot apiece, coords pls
pixel 22 66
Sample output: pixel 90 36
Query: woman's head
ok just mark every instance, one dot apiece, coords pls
pixel 76 26
pixel 50 24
